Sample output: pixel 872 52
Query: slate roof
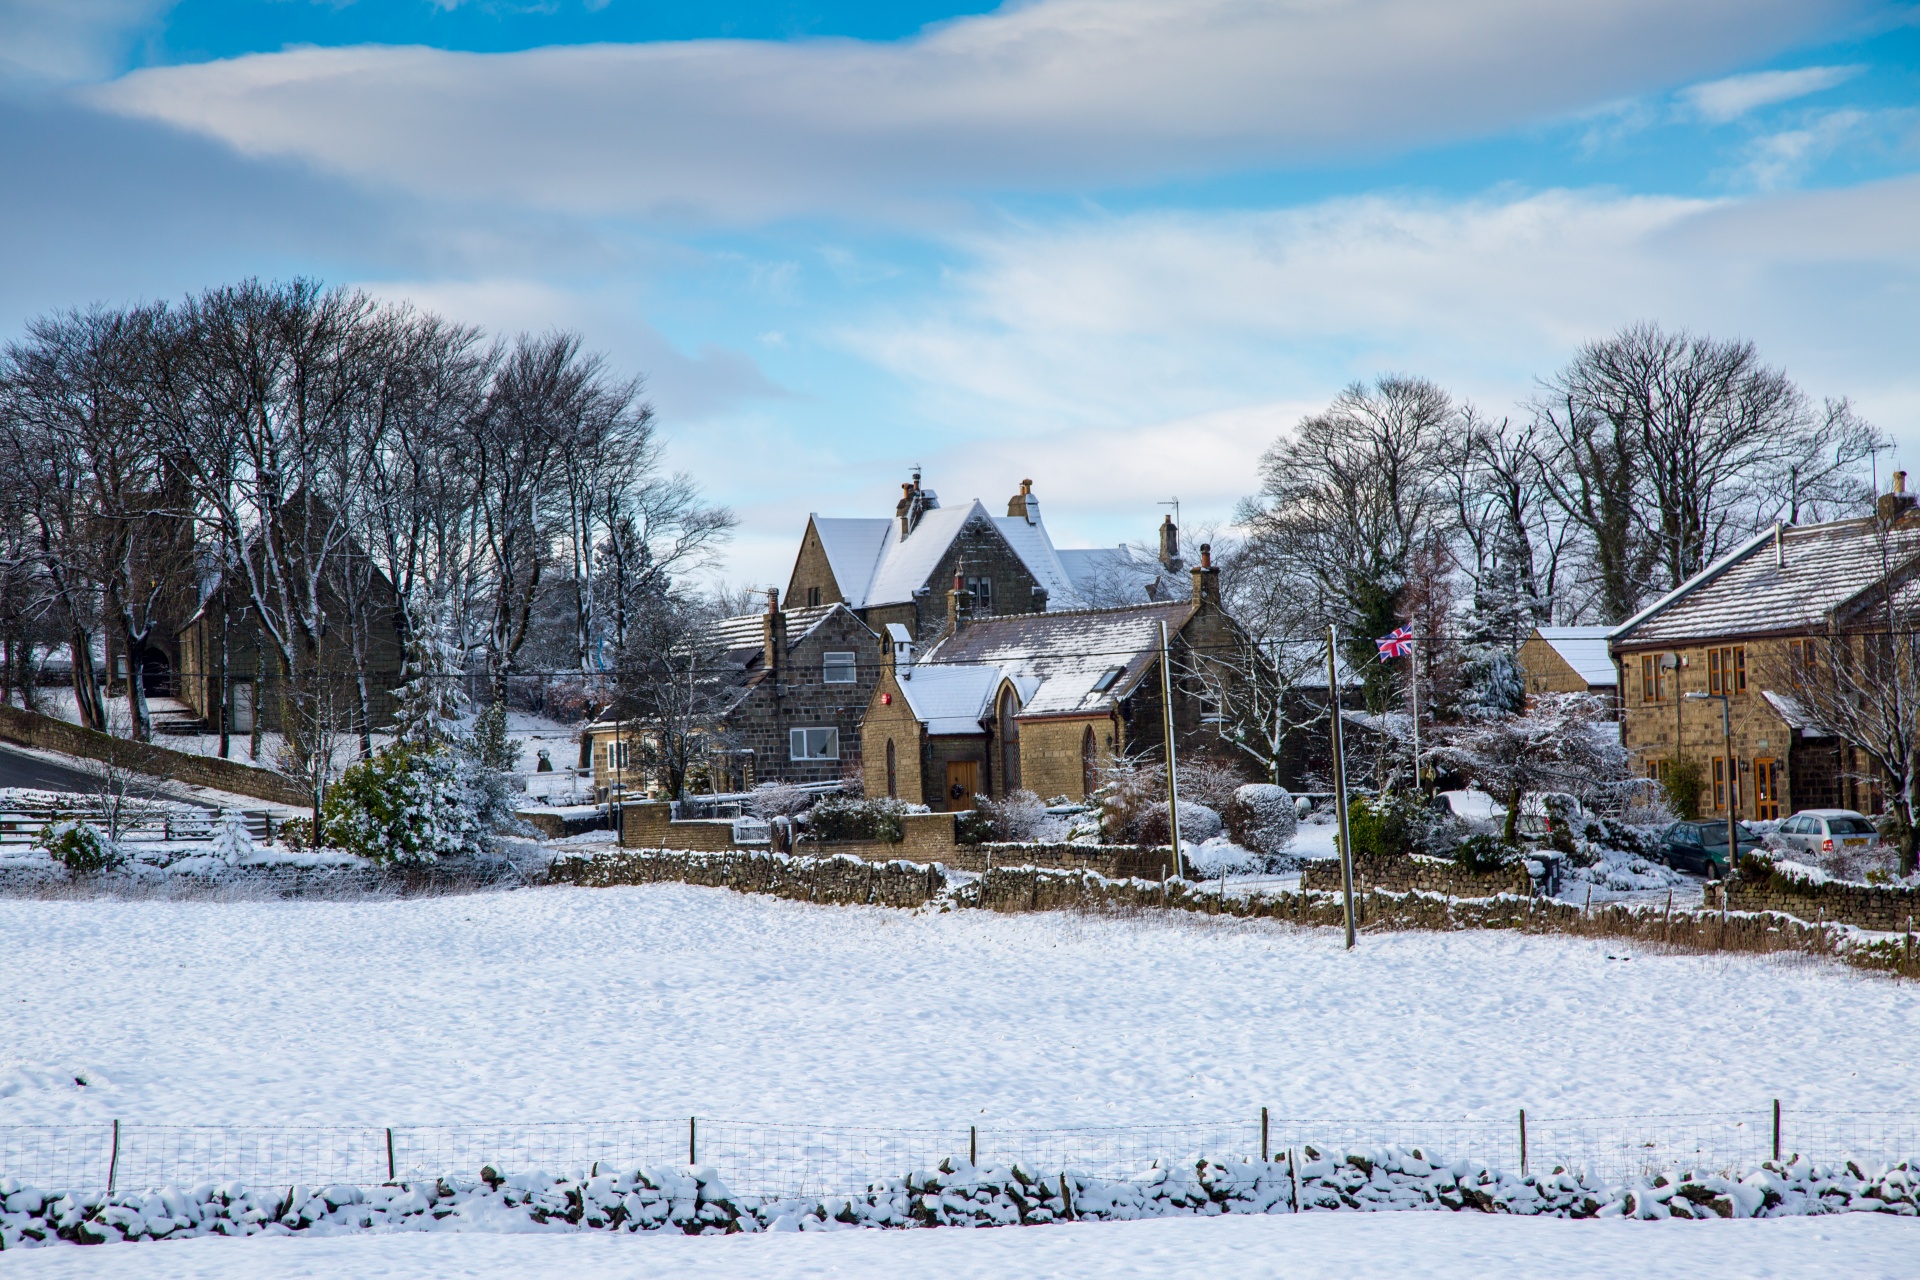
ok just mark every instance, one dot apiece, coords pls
pixel 949 699
pixel 747 630
pixel 874 565
pixel 1585 650
pixel 1824 570
pixel 1053 659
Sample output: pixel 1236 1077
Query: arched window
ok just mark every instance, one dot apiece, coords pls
pixel 1089 760
pixel 893 777
pixel 1009 743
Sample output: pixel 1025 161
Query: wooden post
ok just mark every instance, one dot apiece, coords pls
pixel 390 1174
pixel 1523 1142
pixel 1340 784
pixel 693 1147
pixel 1173 786
pixel 1776 1131
pixel 1066 1197
pixel 1293 1178
pixel 1263 1135
pixel 113 1158
pixel 973 1145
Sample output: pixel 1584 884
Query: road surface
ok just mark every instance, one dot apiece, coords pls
pixel 19 769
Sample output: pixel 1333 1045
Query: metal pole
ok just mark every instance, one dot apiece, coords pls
pixel 1733 795
pixel 1523 1142
pixel 1173 786
pixel 693 1147
pixel 113 1160
pixel 1776 1131
pixel 1263 1134
pixel 390 1155
pixel 1413 672
pixel 1340 782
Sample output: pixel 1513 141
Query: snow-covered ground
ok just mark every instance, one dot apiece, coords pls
pixel 1438 1246
pixel 663 1001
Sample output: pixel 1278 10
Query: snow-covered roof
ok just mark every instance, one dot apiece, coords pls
pixel 1056 660
pixel 1585 650
pixel 1789 709
pixel 949 699
pixel 874 565
pixel 747 630
pixel 1820 570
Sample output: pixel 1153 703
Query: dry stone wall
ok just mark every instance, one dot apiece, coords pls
pixel 1411 872
pixel 1887 908
pixel 46 733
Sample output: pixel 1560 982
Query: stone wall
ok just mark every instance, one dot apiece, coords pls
pixel 1865 906
pixel 48 734
pixel 1050 754
pixel 1414 872
pixel 892 721
pixel 843 881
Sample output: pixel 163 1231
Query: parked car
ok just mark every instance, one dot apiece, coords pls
pixel 1540 810
pixel 1825 830
pixel 1701 846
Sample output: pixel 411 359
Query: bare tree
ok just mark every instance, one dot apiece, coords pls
pixel 1671 447
pixel 674 685
pixel 1560 743
pixel 1260 694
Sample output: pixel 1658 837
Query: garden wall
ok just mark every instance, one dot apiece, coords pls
pixel 1410 872
pixel 1866 906
pixel 30 729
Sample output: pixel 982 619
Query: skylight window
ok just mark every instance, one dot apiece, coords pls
pixel 1107 677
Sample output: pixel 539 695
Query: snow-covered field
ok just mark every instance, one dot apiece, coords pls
pixel 663 1001
pixel 1438 1246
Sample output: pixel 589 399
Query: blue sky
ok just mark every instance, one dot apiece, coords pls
pixel 1116 247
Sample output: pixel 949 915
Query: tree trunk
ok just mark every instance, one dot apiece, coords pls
pixel 86 689
pixel 1510 829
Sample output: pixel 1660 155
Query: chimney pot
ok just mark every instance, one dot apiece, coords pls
pixel 1026 486
pixel 1206 555
pixel 1899 482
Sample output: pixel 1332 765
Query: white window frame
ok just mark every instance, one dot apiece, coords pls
pixel 980 587
pixel 617 754
pixel 799 740
pixel 840 660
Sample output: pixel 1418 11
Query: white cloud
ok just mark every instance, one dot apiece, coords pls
pixel 1720 101
pixel 1054 95
pixel 1128 359
pixel 61 41
pixel 1780 159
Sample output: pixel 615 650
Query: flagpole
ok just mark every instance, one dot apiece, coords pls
pixel 1413 670
pixel 1340 782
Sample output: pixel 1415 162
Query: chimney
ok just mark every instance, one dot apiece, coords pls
pixel 1024 504
pixel 773 634
pixel 905 510
pixel 1206 578
pixel 1897 503
pixel 1169 544
pixel 959 604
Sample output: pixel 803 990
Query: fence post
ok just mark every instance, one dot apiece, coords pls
pixel 693 1147
pixel 1776 1131
pixel 1293 1178
pixel 1523 1142
pixel 973 1145
pixel 1066 1199
pixel 390 1174
pixel 113 1158
pixel 1263 1136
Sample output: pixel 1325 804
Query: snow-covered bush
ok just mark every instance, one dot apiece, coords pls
pixel 1021 816
pixel 1485 854
pixel 1395 824
pixel 772 800
pixel 843 817
pixel 1197 824
pixel 233 844
pixel 80 847
pixel 408 805
pixel 1261 817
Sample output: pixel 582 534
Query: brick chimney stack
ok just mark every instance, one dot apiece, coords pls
pixel 1897 503
pixel 959 605
pixel 1169 545
pixel 773 634
pixel 1206 577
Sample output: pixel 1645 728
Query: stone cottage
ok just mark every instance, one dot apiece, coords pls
pixel 1042 702
pixel 1730 630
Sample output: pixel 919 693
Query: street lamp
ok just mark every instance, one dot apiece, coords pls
pixel 1733 769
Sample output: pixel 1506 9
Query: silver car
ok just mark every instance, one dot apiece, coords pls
pixel 1828 830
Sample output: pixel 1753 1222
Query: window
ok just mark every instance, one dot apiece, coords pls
pixel 893 776
pixel 813 599
pixel 1653 679
pixel 814 744
pixel 1727 670
pixel 617 754
pixel 982 590
pixel 1804 657
pixel 1105 682
pixel 1719 782
pixel 837 668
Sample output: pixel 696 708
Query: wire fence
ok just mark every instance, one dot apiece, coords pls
pixel 788 1160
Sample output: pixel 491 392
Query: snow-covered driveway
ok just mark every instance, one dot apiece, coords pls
pixel 664 1001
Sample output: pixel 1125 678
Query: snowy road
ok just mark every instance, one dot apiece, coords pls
pixel 1435 1246
pixel 668 1001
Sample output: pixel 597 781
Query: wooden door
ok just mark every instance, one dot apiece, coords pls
pixel 963 779
pixel 1766 790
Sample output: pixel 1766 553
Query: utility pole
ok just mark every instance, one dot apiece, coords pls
pixel 1173 786
pixel 1340 782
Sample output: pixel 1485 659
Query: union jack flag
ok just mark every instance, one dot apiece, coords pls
pixel 1397 645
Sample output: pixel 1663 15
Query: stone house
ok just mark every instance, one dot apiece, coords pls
pixel 1730 630
pixel 894 571
pixel 1569 660
pixel 1042 702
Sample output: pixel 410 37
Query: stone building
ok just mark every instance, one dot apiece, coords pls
pixel 894 571
pixel 1569 660
pixel 1730 630
pixel 1042 702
